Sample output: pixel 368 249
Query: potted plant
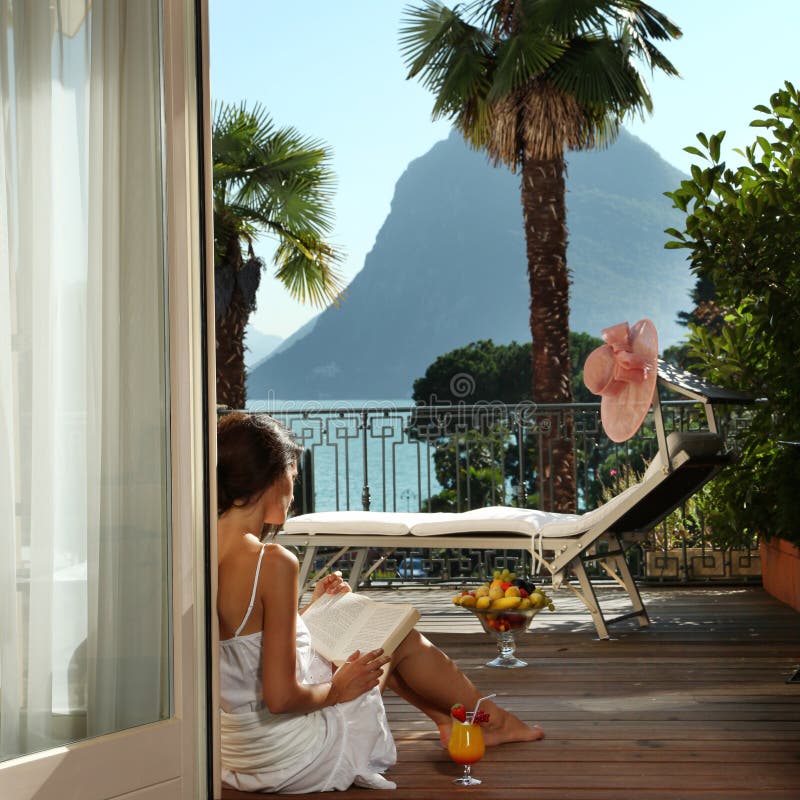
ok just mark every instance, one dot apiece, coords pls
pixel 742 231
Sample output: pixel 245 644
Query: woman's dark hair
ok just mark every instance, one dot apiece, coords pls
pixel 253 451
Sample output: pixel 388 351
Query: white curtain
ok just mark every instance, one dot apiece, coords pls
pixel 83 424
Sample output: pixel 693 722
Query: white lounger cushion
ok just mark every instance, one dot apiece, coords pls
pixel 396 523
pixel 385 523
pixel 493 519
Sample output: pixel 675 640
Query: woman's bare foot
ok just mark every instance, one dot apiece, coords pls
pixel 445 727
pixel 504 727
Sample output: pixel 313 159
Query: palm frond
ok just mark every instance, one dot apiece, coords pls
pixel 296 206
pixel 461 84
pixel 597 73
pixel 605 130
pixel 634 24
pixel 520 59
pixel 649 22
pixel 276 182
pixel 307 270
pixel 566 19
pixel 446 53
pixel 236 132
pixel 481 13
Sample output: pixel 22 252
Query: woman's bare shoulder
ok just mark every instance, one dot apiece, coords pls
pixel 280 566
pixel 278 580
pixel 278 554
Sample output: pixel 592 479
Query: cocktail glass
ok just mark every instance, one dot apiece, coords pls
pixel 466 746
pixel 505 626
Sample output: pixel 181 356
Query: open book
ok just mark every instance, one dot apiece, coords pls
pixel 342 623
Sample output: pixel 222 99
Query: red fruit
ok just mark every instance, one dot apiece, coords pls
pixel 464 593
pixel 481 717
pixel 458 712
pixel 523 593
pixel 504 585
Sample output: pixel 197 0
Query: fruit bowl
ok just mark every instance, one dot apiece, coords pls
pixel 505 607
pixel 505 626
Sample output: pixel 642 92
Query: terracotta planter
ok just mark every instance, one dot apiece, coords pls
pixel 780 570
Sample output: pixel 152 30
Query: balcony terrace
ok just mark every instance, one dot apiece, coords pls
pixel 695 707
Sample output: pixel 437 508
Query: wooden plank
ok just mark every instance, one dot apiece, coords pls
pixel 695 707
pixel 489 792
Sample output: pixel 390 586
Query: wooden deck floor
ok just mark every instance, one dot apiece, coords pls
pixel 695 706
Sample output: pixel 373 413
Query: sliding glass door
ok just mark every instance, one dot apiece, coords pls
pixel 97 552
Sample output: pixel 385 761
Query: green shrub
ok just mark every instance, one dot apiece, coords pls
pixel 742 232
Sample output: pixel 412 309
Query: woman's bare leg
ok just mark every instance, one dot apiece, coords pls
pixel 400 688
pixel 428 679
pixel 439 717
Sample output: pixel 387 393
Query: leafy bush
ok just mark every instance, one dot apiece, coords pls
pixel 742 232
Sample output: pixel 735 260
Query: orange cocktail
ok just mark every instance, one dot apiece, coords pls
pixel 466 747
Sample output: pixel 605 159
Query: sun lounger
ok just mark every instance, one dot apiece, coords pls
pixel 559 544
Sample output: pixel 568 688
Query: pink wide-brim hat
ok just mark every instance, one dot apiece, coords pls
pixel 623 371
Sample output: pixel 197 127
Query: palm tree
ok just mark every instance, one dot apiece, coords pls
pixel 274 181
pixel 527 80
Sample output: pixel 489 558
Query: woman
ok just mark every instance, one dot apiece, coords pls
pixel 290 722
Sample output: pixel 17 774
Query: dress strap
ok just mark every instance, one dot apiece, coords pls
pixel 253 595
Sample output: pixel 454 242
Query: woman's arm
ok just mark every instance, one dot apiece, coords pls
pixel 282 692
pixel 330 584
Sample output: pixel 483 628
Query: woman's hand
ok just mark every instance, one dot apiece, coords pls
pixel 356 676
pixel 330 584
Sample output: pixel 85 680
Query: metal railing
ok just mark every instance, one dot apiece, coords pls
pixel 390 457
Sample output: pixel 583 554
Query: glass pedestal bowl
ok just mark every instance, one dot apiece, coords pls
pixel 505 626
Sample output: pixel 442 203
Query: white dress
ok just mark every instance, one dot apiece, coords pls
pixel 331 748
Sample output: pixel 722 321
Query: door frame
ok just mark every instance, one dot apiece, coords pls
pixel 171 759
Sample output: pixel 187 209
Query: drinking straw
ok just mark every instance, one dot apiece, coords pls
pixel 480 700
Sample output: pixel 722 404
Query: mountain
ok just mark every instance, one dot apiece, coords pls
pixel 258 346
pixel 448 267
pixel 267 344
pixel 302 331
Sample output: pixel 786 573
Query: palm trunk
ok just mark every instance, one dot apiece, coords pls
pixel 544 209
pixel 230 353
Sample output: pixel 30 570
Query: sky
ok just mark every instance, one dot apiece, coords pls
pixel 333 70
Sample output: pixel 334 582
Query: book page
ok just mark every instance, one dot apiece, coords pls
pixel 332 622
pixel 341 624
pixel 380 621
pixel 384 617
